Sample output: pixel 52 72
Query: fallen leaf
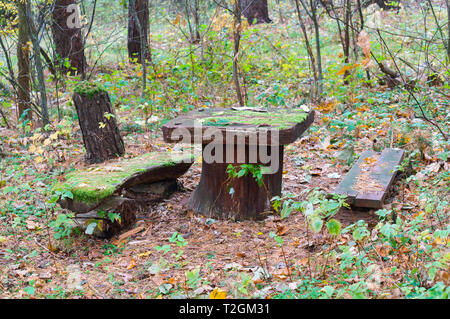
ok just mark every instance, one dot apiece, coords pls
pixel 218 294
pixel 281 230
pixel 132 264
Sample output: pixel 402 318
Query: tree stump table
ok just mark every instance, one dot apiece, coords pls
pixel 238 136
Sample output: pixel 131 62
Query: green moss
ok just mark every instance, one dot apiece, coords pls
pixel 279 118
pixel 89 88
pixel 97 183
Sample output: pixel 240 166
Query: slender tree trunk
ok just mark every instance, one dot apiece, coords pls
pixel 237 40
pixel 448 29
pixel 143 44
pixel 33 33
pixel 318 50
pixel 23 64
pixel 280 14
pixel 347 17
pixel 138 29
pixel 191 7
pixel 308 48
pixel 67 36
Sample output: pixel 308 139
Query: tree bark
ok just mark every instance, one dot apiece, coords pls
pixel 212 197
pixel 448 29
pixel 256 11
pixel 309 50
pixel 101 136
pixel 383 4
pixel 236 43
pixel 23 64
pixel 138 29
pixel 33 32
pixel 314 18
pixel 67 37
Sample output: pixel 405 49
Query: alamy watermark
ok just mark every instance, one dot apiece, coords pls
pixel 73 21
pixel 237 146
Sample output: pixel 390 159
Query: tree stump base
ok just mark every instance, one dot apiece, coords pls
pixel 101 136
pixel 248 201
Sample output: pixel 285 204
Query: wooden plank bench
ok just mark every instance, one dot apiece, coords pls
pixel 121 187
pixel 367 182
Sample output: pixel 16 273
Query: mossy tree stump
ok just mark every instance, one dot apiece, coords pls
pixel 101 136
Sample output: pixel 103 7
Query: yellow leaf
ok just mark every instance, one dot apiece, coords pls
pixel 218 294
pixel 346 68
pixel 36 136
pixel 441 241
pixel 177 19
pixel 132 264
pixel 147 253
pixel 54 136
pixel 38 159
pixel 47 142
pixel 32 148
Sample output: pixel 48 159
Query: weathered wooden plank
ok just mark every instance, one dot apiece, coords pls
pixel 368 181
pixel 345 186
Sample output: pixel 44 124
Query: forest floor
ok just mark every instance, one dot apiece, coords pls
pixel 230 255
pixel 401 251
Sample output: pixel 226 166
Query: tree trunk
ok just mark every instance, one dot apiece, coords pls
pixel 33 32
pixel 346 44
pixel 309 50
pixel 212 197
pixel 448 28
pixel 101 136
pixel 236 43
pixel 314 18
pixel 23 63
pixel 383 4
pixel 67 36
pixel 256 11
pixel 137 42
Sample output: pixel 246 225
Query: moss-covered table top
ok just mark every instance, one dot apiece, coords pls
pixel 91 186
pixel 288 124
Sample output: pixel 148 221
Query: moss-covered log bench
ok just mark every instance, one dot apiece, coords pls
pixel 105 197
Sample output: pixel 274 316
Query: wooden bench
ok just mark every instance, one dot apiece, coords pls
pixel 368 181
pixel 121 187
